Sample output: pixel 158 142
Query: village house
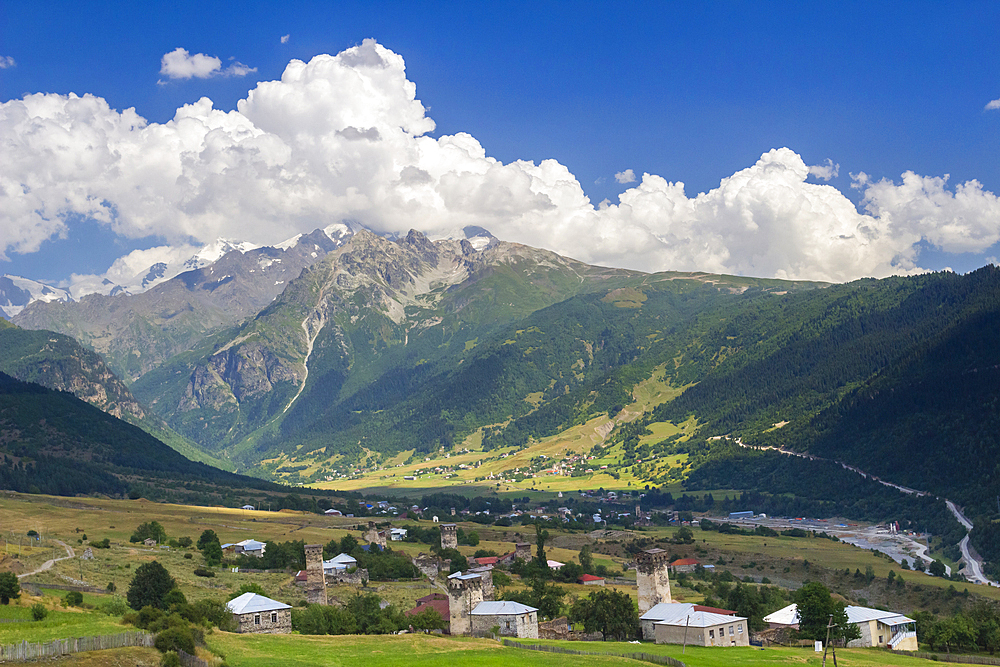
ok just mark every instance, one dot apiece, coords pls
pixel 673 610
pixel 339 563
pixel 258 614
pixel 436 601
pixel 703 628
pixel 684 565
pixel 879 628
pixel 591 580
pixel 512 618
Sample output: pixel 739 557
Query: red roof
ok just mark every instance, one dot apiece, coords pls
pixel 487 560
pixel 714 610
pixel 684 561
pixel 590 577
pixel 302 575
pixel 432 596
pixel 440 603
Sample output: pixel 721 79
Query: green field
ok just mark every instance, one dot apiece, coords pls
pixel 698 656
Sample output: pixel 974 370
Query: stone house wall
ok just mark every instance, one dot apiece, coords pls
pixel 265 622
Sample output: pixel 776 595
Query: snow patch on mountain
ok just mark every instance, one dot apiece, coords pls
pixel 17 292
pixel 141 270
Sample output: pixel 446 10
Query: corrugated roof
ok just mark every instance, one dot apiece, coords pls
pixel 862 614
pixel 666 610
pixel 785 616
pixel 501 608
pixel 251 603
pixel 790 616
pixel 701 619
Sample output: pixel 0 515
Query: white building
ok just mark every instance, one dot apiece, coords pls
pixel 397 534
pixel 339 563
pixel 879 628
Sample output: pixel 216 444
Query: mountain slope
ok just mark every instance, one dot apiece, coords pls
pixel 136 333
pixel 391 346
pixel 58 362
pixel 52 442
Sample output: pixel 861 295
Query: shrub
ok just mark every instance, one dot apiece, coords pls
pixel 74 598
pixel 188 556
pixel 170 659
pixel 174 639
pixel 116 605
pixel 204 572
pixel 38 611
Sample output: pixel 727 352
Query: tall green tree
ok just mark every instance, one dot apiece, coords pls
pixel 612 612
pixel 816 607
pixel 10 587
pixel 149 586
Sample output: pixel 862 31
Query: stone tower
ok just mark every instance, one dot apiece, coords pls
pixel 522 550
pixel 449 536
pixel 374 535
pixel 315 579
pixel 652 578
pixel 465 592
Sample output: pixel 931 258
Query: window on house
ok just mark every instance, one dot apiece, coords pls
pixel 711 634
pixel 256 619
pixel 730 631
pixel 739 628
pixel 274 617
pixel 880 639
pixel 508 625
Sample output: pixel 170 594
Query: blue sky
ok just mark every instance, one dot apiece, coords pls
pixel 692 92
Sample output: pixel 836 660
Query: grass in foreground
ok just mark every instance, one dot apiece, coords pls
pixel 385 651
pixel 57 625
pixel 699 656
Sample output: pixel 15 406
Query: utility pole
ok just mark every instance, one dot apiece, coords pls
pixel 833 650
pixel 686 624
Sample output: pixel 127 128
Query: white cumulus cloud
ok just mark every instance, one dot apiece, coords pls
pixel 993 104
pixel 6 62
pixel 285 38
pixel 345 137
pixel 825 171
pixel 627 176
pixel 179 64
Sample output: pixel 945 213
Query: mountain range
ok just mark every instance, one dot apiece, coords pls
pixel 343 348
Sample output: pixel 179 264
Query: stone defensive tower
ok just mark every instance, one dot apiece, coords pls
pixel 652 578
pixel 449 536
pixel 315 578
pixel 374 535
pixel 465 592
pixel 522 550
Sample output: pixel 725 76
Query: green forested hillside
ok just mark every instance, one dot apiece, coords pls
pixel 52 442
pixel 59 362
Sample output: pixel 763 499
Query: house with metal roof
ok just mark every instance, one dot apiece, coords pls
pixel 512 619
pixel 884 629
pixel 250 548
pixel 673 610
pixel 339 563
pixel 256 613
pixel 703 628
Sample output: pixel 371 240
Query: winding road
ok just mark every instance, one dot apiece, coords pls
pixel 49 563
pixel 974 570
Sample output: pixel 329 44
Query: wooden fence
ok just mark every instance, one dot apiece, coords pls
pixel 58 647
pixel 189 660
pixel 550 648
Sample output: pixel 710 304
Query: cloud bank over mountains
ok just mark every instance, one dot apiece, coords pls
pixel 345 138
